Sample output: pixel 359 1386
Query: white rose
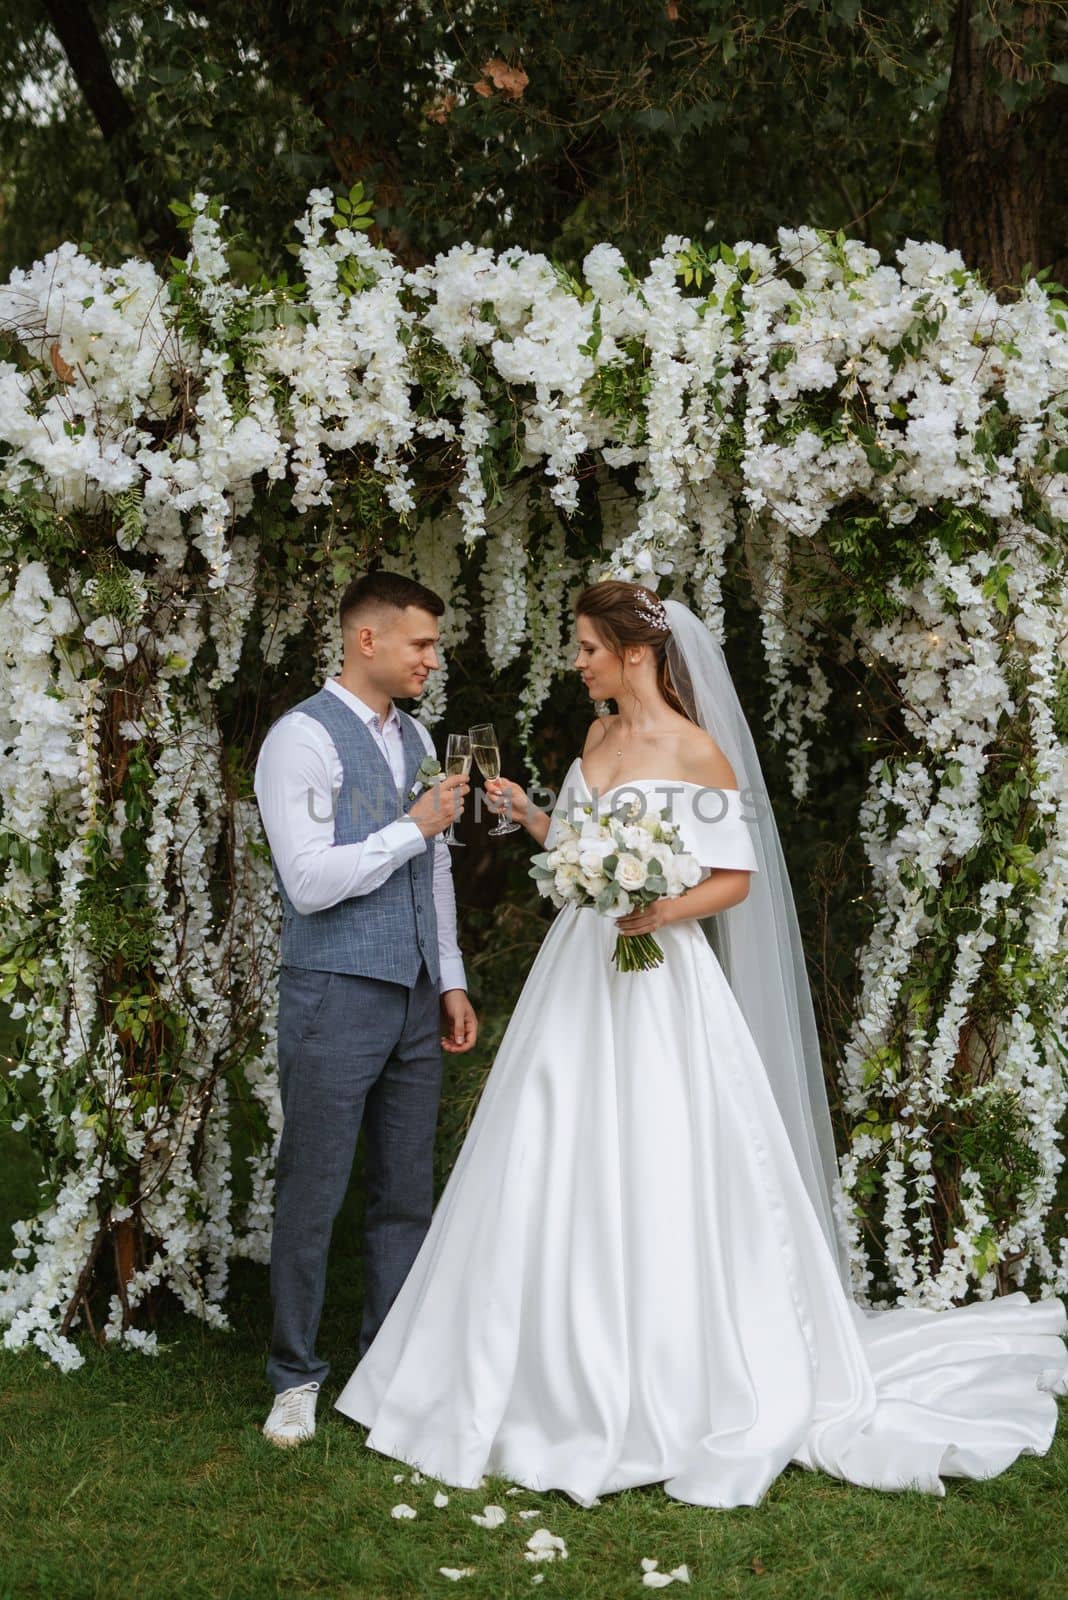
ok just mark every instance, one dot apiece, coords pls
pixel 672 877
pixel 591 857
pixel 566 877
pixel 630 873
pixel 689 871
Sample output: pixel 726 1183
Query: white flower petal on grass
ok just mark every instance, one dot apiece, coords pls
pixel 491 1517
pixel 515 1491
pixel 417 1477
pixel 441 1499
pixel 531 1513
pixel 402 1512
pixel 398 1477
pixel 545 1546
pixel 457 1572
pixel 654 1579
pixel 539 1577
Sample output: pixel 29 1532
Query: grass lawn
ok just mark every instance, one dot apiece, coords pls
pixel 148 1478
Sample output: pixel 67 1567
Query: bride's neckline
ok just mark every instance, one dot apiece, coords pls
pixel 632 783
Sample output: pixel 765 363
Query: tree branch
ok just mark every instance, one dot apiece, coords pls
pixel 77 33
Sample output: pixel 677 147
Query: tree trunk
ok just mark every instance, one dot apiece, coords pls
pixel 84 49
pixel 330 71
pixel 991 161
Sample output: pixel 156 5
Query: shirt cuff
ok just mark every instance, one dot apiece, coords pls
pixel 453 975
pixel 403 839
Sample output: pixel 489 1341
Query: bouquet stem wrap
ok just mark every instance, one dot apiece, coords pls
pixel 637 952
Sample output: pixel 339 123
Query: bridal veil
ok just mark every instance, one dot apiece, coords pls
pixel 758 942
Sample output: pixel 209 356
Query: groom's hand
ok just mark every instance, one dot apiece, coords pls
pixel 459 1023
pixel 441 804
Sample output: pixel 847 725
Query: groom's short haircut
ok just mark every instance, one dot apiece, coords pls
pixel 376 589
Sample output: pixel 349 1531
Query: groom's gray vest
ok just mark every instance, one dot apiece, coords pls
pixel 389 932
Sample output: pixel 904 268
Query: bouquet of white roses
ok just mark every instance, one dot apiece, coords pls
pixel 617 864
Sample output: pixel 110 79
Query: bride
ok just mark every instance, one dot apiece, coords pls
pixel 634 1273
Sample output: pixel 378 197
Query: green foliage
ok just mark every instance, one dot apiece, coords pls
pixel 619 388
pixel 115 921
pixel 991 1139
pixel 30 530
pixel 653 125
pixel 113 588
pixel 354 211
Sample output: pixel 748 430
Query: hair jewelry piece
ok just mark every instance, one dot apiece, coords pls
pixel 651 609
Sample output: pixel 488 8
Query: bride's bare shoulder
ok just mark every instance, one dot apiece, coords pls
pixel 704 760
pixel 597 733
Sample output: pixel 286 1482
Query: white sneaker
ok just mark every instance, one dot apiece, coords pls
pixel 292 1418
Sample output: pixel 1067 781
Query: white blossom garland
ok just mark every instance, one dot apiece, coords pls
pixel 792 399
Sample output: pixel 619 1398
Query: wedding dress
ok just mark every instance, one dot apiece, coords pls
pixel 631 1278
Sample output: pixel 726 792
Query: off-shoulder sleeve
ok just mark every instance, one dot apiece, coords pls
pixel 717 828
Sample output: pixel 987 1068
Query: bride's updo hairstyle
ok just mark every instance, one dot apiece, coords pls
pixel 629 614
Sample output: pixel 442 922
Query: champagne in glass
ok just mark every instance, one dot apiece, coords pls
pixel 457 765
pixel 487 754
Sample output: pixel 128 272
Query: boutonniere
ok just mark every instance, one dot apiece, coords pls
pixel 428 774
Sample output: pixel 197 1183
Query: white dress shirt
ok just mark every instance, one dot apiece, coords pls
pixel 298 780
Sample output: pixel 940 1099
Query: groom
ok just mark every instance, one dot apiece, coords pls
pixel 372 985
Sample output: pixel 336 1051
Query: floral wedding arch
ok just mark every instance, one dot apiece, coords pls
pixel 182 459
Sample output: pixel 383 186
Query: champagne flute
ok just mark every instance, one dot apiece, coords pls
pixel 457 764
pixel 487 754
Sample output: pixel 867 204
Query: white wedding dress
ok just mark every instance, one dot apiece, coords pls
pixel 625 1281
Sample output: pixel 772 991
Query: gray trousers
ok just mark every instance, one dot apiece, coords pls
pixel 351 1051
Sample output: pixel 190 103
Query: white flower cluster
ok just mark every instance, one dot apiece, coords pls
pixel 958 667
pixel 786 389
pixel 504 582
pixel 550 586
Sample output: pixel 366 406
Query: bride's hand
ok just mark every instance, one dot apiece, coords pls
pixel 651 917
pixel 502 795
